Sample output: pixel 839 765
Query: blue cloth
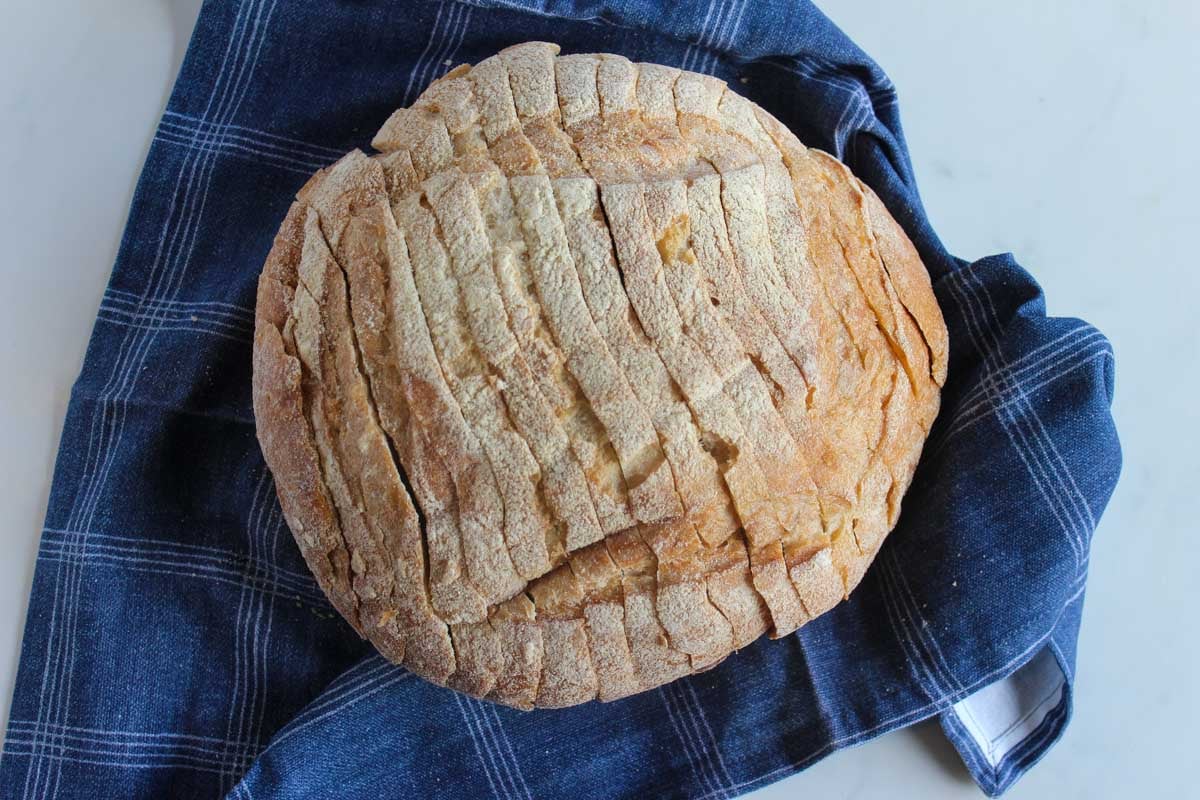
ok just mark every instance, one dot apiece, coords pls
pixel 176 645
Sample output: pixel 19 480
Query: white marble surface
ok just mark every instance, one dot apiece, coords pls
pixel 1059 130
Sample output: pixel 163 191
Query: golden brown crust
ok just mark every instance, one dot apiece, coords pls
pixel 594 375
pixel 521 653
pixel 288 448
pixel 910 279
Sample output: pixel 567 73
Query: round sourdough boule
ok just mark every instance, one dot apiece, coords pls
pixel 593 375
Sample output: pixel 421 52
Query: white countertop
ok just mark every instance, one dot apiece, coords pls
pixel 1062 131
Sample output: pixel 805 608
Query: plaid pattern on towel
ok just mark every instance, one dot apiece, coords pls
pixel 176 645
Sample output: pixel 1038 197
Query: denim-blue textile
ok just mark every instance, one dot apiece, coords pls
pixel 176 645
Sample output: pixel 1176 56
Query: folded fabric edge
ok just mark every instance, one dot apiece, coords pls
pixel 1015 761
pixel 1005 728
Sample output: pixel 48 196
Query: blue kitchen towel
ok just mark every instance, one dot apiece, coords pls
pixel 176 645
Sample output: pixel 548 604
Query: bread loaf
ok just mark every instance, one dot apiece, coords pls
pixel 592 375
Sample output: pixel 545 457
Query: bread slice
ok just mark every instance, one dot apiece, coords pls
pixel 591 376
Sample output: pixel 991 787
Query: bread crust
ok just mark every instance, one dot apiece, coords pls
pixel 593 375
